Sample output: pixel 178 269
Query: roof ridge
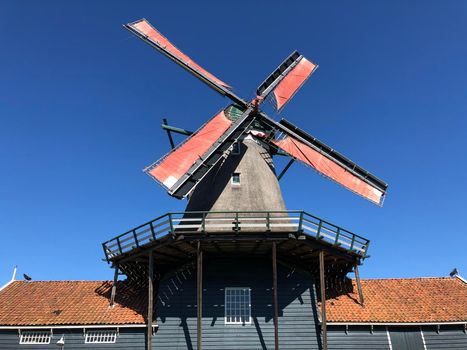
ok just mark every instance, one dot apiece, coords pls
pixel 443 278
pixel 407 278
pixel 353 279
pixel 64 281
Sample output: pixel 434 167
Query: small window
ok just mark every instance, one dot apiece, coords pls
pixel 235 179
pixel 35 337
pixel 102 336
pixel 236 148
pixel 237 306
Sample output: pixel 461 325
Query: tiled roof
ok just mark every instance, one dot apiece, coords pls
pixel 87 302
pixel 67 302
pixel 403 300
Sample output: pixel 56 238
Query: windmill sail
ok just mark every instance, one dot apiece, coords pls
pixel 145 31
pixel 317 155
pixel 176 163
pixel 287 88
pixel 285 81
pixel 185 166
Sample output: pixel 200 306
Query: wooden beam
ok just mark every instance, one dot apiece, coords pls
pixel 180 251
pixel 322 288
pixel 279 177
pixel 256 247
pixel 187 246
pixel 306 254
pixel 332 250
pixel 243 236
pixel 290 250
pixel 218 249
pixel 164 123
pixel 199 292
pixel 150 300
pixel 359 285
pixel 274 295
pixel 143 252
pixel 168 256
pixel 114 287
pixel 281 243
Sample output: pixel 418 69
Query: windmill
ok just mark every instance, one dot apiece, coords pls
pixel 236 217
pixel 182 169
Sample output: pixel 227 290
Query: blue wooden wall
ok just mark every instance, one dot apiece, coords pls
pixel 176 308
pixel 298 317
pixel 448 337
pixel 129 338
pixel 357 337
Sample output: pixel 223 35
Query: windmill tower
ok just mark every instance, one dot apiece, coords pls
pixel 244 181
pixel 235 207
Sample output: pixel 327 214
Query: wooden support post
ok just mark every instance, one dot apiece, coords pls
pixel 199 292
pixel 322 288
pixel 150 300
pixel 172 144
pixel 274 296
pixel 285 169
pixel 114 287
pixel 359 285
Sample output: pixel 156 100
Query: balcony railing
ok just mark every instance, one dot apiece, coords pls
pixel 235 221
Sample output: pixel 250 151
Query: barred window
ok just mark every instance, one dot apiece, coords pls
pixel 237 305
pixel 35 337
pixel 101 336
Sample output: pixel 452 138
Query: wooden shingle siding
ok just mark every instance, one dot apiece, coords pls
pixel 130 338
pixel 176 308
pixel 357 337
pixel 449 337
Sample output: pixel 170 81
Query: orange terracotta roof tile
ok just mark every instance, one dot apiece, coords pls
pixel 416 300
pixel 68 302
pixel 404 300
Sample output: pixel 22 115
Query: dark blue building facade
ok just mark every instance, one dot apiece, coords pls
pixel 299 317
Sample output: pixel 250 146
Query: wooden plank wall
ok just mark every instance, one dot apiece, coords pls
pixel 297 312
pixel 129 338
pixel 448 337
pixel 357 337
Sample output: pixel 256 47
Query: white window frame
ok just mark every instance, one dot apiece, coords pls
pixel 100 336
pixel 39 336
pixel 230 322
pixel 232 179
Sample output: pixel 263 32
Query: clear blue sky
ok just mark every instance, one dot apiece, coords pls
pixel 81 101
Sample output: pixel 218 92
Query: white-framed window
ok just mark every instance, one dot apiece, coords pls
pixel 102 336
pixel 235 179
pixel 35 337
pixel 237 305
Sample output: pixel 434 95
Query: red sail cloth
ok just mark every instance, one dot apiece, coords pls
pixel 329 168
pixel 177 162
pixel 292 82
pixel 145 28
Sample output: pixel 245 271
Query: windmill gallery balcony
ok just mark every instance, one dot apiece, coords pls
pixel 235 227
